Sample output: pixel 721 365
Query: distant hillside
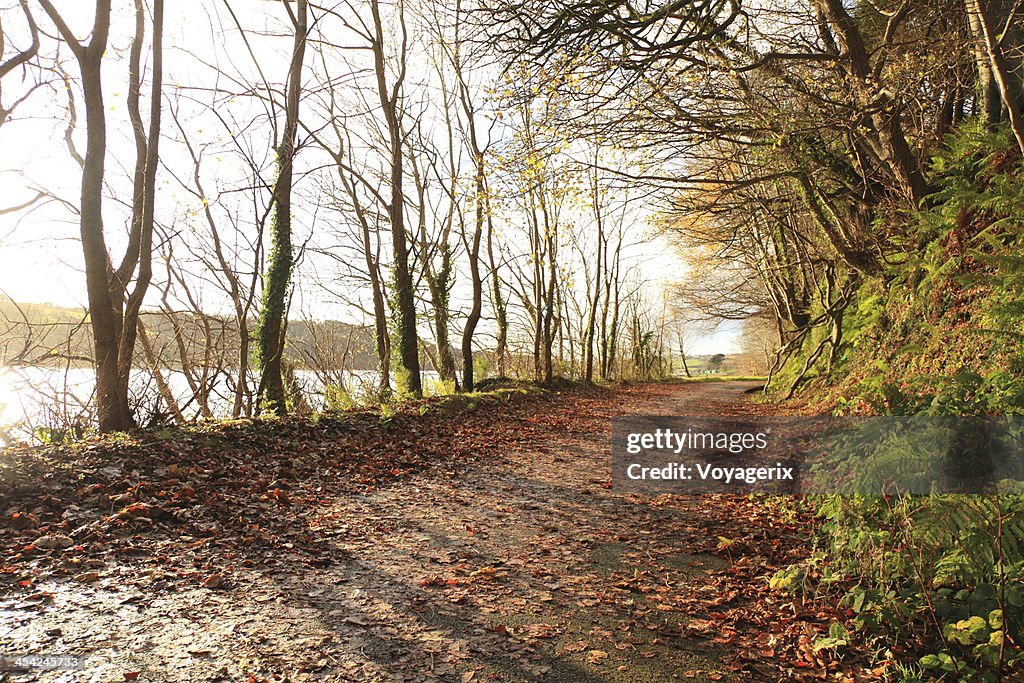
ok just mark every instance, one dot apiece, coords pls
pixel 42 334
pixel 45 334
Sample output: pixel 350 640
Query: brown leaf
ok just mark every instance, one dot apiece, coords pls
pixel 213 581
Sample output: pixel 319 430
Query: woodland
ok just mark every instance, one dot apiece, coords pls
pixel 357 278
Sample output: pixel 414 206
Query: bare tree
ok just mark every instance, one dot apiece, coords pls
pixel 113 307
pixel 598 206
pixel 272 324
pixel 227 267
pixel 19 59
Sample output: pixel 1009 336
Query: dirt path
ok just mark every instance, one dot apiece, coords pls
pixel 524 567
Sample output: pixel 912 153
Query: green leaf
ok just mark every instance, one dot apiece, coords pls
pixel 941 661
pixel 839 632
pixel 858 600
pixel 968 631
pixel 828 644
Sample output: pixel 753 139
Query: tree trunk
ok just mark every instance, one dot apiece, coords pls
pixel 105 314
pixel 1009 83
pixel 407 373
pixel 380 314
pixel 613 332
pixel 439 282
pixel 988 101
pixel 886 118
pixel 497 302
pixel 538 295
pixel 549 314
pixel 439 285
pixel 270 329
pixel 111 399
pixel 588 342
pixel 682 357
pixel 140 249
pixel 163 388
pixel 380 318
pixel 473 249
pixel 605 307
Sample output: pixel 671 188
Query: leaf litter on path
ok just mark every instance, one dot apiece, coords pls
pixel 434 546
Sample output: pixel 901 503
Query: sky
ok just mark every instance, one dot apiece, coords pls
pixel 40 255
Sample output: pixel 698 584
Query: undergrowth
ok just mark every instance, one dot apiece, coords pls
pixel 934 584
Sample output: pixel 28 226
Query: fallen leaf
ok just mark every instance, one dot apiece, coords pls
pixel 55 541
pixel 213 581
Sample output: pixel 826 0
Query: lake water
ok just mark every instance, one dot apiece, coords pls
pixel 34 397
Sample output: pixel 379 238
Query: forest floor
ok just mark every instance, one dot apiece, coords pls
pixel 475 545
